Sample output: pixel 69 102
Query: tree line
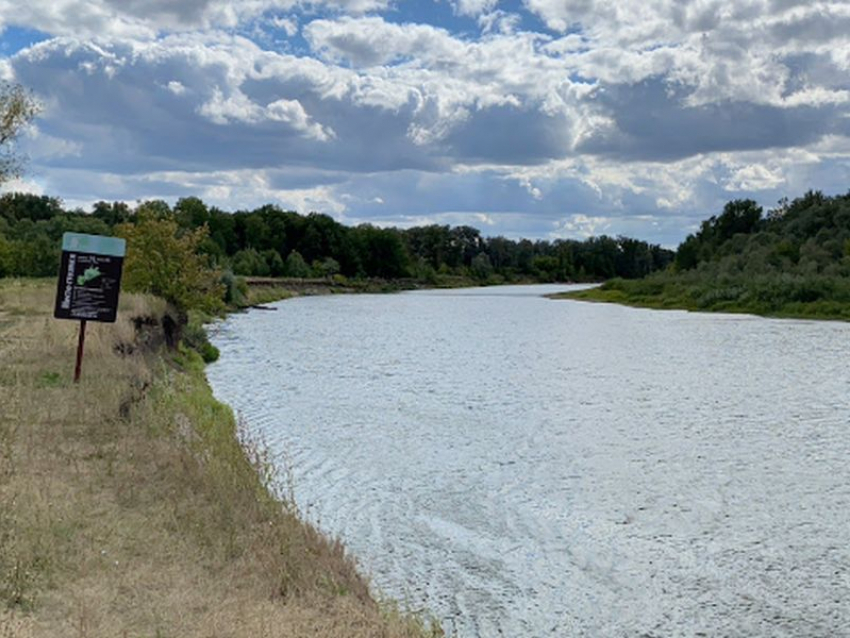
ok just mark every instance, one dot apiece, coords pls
pixel 793 259
pixel 270 241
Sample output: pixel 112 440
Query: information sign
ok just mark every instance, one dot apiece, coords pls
pixel 89 277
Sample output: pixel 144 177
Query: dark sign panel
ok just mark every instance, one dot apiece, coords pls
pixel 89 277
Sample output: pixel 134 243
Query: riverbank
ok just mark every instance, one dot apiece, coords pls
pixel 789 298
pixel 130 507
pixel 260 290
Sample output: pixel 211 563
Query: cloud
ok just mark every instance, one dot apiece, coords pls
pixel 754 178
pixel 367 42
pixel 636 112
pixel 287 25
pixel 147 18
pixel 580 227
pixel 647 122
pixel 474 8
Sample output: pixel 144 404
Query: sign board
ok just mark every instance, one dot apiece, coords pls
pixel 89 277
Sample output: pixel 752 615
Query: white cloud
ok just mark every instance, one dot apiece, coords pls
pixel 21 185
pixel 637 108
pixel 287 25
pixel 293 113
pixel 235 107
pixel 41 146
pixel 147 18
pixel 474 8
pixel 367 42
pixel 176 87
pixel 754 178
pixel 6 72
pixel 499 22
pixel 580 226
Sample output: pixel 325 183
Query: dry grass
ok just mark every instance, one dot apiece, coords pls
pixel 127 507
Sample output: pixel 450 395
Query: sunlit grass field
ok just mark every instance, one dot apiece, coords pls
pixel 128 506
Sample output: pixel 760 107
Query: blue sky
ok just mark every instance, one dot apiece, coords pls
pixel 525 118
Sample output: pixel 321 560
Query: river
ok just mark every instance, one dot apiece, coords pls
pixel 527 467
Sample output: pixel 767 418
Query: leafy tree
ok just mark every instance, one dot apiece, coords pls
pixel 249 262
pixel 481 267
pixel 191 212
pixel 546 267
pixel 739 216
pixel 15 207
pixel 274 262
pixel 296 266
pixel 328 267
pixel 154 208
pixel 165 262
pixel 382 252
pixel 111 213
pixel 17 108
pixel 256 232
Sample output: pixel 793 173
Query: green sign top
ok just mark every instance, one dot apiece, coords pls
pixel 95 244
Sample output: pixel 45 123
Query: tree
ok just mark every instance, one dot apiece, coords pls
pixel 191 212
pixel 328 267
pixel 481 266
pixel 111 213
pixel 17 108
pixel 165 262
pixel 296 266
pixel 249 262
pixel 17 206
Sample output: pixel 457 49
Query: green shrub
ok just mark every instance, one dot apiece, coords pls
pixel 195 337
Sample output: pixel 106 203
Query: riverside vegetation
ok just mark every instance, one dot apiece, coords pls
pixel 129 507
pixel 792 262
pixel 269 241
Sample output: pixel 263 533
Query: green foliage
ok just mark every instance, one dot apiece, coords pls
pixel 17 109
pixel 195 337
pixel 328 267
pixel 382 251
pixel 274 263
pixel 249 262
pixel 481 267
pixel 17 206
pixel 191 212
pixel 296 266
pixel 235 289
pixel 793 262
pixel 739 217
pixel 111 214
pixel 164 261
pixel 269 241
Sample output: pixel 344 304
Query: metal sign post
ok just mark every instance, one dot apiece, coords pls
pixel 81 342
pixel 89 283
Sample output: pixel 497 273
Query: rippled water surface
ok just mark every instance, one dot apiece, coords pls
pixel 529 467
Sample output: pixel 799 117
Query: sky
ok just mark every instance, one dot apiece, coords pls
pixel 543 119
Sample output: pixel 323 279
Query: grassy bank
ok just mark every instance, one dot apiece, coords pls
pixel 128 506
pixel 786 296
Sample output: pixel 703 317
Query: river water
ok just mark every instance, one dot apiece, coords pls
pixel 527 467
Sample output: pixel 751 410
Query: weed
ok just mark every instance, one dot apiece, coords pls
pixel 50 379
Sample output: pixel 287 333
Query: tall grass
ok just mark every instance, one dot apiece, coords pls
pixel 128 506
pixel 813 296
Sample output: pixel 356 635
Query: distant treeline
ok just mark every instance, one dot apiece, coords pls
pixel 269 241
pixel 793 260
